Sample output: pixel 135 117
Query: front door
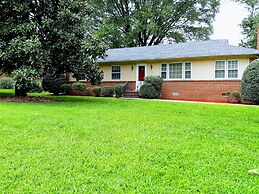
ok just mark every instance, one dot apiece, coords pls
pixel 141 73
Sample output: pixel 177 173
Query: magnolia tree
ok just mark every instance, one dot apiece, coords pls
pixel 49 36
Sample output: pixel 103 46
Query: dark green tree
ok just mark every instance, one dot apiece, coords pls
pixel 49 35
pixel 250 24
pixel 139 23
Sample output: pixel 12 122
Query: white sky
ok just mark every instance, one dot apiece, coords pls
pixel 226 25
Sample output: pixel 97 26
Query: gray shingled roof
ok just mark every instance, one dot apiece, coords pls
pixel 177 51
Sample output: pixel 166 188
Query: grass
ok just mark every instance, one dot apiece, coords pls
pixel 106 145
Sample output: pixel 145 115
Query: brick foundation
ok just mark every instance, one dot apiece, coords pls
pixel 199 90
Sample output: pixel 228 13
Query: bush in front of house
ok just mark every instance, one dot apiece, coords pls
pixel 119 90
pixel 80 88
pixel 233 96
pixel 152 87
pixel 250 83
pixel 148 91
pixel 66 89
pixel 154 80
pixel 107 91
pixel 89 92
pixel 97 91
pixel 7 83
pixel 52 82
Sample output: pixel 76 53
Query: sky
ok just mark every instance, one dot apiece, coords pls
pixel 226 25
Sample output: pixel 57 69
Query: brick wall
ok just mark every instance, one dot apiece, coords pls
pixel 199 90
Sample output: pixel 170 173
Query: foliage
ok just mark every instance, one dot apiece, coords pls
pixel 249 24
pixel 36 88
pixel 25 80
pixel 144 23
pixel 89 92
pixel 66 89
pixel 156 81
pixel 7 82
pixel 107 91
pixel 51 35
pixel 152 87
pixel 233 96
pixel 250 82
pixel 127 146
pixel 53 82
pixel 119 90
pixel 97 91
pixel 148 91
pixel 79 87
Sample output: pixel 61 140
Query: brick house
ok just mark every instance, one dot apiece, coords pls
pixel 202 70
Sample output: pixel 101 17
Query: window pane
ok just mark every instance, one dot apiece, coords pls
pixel 220 65
pixel 233 64
pixel 116 75
pixel 220 74
pixel 187 74
pixel 232 73
pixel 188 66
pixel 163 67
pixel 163 75
pixel 175 71
pixel 116 68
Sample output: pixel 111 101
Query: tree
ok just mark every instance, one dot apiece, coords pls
pixel 250 24
pixel 49 35
pixel 250 83
pixel 143 23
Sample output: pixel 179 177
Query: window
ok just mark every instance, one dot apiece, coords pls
pixel 187 70
pixel 177 70
pixel 233 69
pixel 116 72
pixel 226 69
pixel 164 71
pixel 220 67
pixel 81 76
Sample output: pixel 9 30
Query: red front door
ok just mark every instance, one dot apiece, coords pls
pixel 141 73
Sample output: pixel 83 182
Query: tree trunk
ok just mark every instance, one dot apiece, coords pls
pixel 20 92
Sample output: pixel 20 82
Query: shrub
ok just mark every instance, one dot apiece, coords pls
pixel 7 83
pixel 79 87
pixel 66 89
pixel 97 91
pixel 25 80
pixel 36 87
pixel 155 81
pixel 234 97
pixel 53 82
pixel 89 92
pixel 250 83
pixel 119 90
pixel 108 91
pixel 147 90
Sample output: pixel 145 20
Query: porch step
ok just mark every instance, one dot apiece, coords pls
pixel 131 94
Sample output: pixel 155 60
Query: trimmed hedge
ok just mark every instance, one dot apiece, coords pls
pixel 108 91
pixel 148 91
pixel 80 88
pixel 250 83
pixel 119 90
pixel 97 91
pixel 7 83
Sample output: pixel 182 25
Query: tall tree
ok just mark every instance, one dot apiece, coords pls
pixel 49 35
pixel 150 22
pixel 250 24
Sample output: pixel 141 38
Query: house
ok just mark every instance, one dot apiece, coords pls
pixel 202 70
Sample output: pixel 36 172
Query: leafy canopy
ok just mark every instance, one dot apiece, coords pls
pixel 139 23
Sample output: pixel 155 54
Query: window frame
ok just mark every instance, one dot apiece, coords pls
pixel 226 69
pixel 112 73
pixel 183 72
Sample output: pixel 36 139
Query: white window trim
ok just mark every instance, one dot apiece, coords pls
pixel 116 72
pixel 226 70
pixel 183 71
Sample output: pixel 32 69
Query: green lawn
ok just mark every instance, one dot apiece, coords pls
pixel 107 145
